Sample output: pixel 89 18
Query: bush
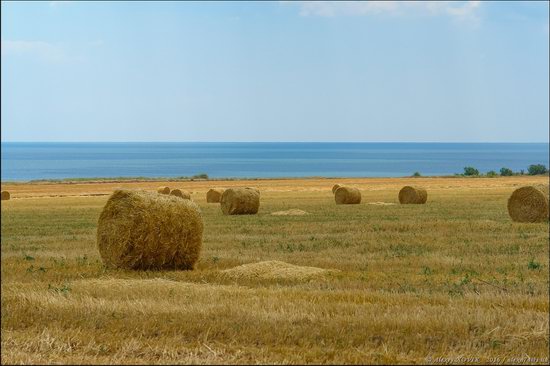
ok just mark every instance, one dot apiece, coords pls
pixel 491 173
pixel 201 176
pixel 416 174
pixel 505 172
pixel 537 169
pixel 469 171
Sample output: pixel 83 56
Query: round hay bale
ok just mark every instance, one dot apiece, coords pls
pixel 5 195
pixel 144 230
pixel 347 196
pixel 335 187
pixel 529 204
pixel 179 193
pixel 415 195
pixel 163 190
pixel 240 201
pixel 214 195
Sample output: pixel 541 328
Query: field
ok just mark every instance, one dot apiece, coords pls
pixel 453 280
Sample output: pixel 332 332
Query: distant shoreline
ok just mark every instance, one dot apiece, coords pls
pixel 177 179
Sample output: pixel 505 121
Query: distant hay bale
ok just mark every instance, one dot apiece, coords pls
pixel 274 270
pixel 347 196
pixel 412 195
pixel 291 212
pixel 529 204
pixel 163 190
pixel 240 201
pixel 144 230
pixel 5 195
pixel 214 195
pixel 179 193
pixel 335 187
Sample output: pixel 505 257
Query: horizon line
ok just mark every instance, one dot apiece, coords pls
pixel 300 142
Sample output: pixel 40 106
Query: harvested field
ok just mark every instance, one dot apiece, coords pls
pixel 452 277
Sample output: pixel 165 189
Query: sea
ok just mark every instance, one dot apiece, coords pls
pixel 25 161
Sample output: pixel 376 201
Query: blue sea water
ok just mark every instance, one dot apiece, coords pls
pixel 22 161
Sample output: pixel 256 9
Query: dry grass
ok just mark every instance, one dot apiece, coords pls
pixel 453 277
pixel 291 212
pixel 274 270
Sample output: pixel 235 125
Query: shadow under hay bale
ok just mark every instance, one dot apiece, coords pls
pixel 347 196
pixel 412 195
pixel 274 270
pixel 163 190
pixel 529 204
pixel 335 187
pixel 144 230
pixel 181 194
pixel 214 195
pixel 240 201
pixel 5 195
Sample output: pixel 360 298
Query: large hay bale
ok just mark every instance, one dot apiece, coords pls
pixel 179 193
pixel 335 187
pixel 412 195
pixel 347 196
pixel 144 230
pixel 214 195
pixel 240 201
pixel 163 190
pixel 5 195
pixel 529 204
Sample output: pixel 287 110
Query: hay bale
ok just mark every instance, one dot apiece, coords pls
pixel 144 230
pixel 214 195
pixel 347 196
pixel 163 190
pixel 274 270
pixel 240 201
pixel 179 193
pixel 335 187
pixel 5 195
pixel 412 195
pixel 529 204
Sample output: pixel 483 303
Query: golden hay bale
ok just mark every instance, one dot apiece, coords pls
pixel 335 187
pixel 163 190
pixel 529 204
pixel 274 270
pixel 415 195
pixel 214 195
pixel 5 195
pixel 144 230
pixel 240 201
pixel 347 196
pixel 179 193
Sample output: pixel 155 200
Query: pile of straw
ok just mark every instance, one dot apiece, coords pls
pixel 5 195
pixel 274 270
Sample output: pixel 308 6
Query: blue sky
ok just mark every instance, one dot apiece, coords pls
pixel 275 71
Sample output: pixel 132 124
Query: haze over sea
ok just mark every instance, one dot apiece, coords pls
pixel 23 161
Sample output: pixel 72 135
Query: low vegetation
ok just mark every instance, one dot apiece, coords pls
pixel 452 278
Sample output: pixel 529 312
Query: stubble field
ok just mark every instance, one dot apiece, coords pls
pixel 453 279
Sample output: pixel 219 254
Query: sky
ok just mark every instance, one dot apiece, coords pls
pixel 386 71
